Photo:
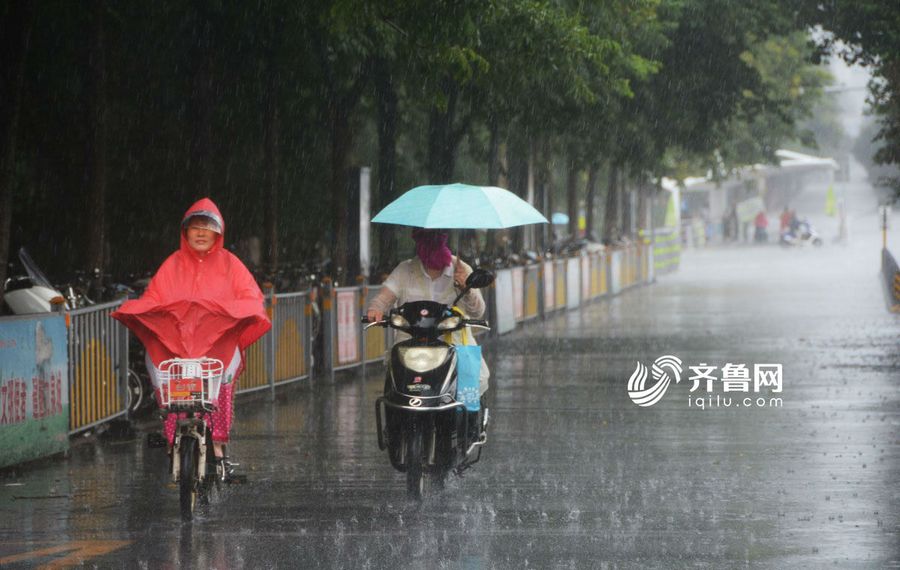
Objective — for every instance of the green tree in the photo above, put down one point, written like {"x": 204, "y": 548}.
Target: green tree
{"x": 870, "y": 30}
{"x": 15, "y": 23}
{"x": 789, "y": 87}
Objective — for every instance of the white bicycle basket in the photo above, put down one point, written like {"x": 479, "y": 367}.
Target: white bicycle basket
{"x": 190, "y": 381}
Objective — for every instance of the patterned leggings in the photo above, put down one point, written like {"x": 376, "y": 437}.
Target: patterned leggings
{"x": 219, "y": 421}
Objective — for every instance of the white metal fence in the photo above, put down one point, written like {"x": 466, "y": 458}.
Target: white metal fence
{"x": 98, "y": 345}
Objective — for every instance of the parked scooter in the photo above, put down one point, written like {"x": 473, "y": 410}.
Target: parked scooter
{"x": 804, "y": 235}
{"x": 421, "y": 422}
{"x": 31, "y": 293}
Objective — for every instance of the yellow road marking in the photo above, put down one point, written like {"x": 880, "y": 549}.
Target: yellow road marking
{"x": 77, "y": 552}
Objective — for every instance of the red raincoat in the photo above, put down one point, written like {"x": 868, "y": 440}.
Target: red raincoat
{"x": 198, "y": 304}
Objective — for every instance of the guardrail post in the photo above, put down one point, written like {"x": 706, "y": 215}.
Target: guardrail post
{"x": 271, "y": 301}
{"x": 328, "y": 326}
{"x": 891, "y": 275}
{"x": 363, "y": 295}
{"x": 490, "y": 300}
{"x": 123, "y": 361}
{"x": 314, "y": 359}
{"x": 540, "y": 288}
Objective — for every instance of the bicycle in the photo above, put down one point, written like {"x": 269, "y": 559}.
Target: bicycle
{"x": 190, "y": 386}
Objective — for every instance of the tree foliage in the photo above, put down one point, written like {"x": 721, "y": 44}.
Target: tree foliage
{"x": 266, "y": 106}
{"x": 870, "y": 30}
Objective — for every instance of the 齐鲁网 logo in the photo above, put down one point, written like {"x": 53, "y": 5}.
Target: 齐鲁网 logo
{"x": 723, "y": 385}
{"x": 663, "y": 369}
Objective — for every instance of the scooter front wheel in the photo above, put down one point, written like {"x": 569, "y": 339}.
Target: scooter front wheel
{"x": 415, "y": 480}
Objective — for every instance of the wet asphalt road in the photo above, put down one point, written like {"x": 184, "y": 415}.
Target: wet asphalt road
{"x": 575, "y": 475}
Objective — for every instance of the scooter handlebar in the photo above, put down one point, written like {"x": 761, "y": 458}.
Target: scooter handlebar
{"x": 369, "y": 323}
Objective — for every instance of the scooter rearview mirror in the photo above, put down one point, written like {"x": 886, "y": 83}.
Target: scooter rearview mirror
{"x": 479, "y": 279}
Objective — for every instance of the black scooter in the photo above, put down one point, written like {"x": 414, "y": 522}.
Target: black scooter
{"x": 425, "y": 429}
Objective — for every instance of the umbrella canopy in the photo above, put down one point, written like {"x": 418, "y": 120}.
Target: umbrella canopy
{"x": 463, "y": 206}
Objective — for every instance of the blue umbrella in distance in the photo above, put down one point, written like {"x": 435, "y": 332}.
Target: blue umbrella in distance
{"x": 559, "y": 219}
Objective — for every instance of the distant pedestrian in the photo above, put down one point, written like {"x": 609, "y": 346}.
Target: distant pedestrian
{"x": 785, "y": 220}
{"x": 732, "y": 227}
{"x": 760, "y": 224}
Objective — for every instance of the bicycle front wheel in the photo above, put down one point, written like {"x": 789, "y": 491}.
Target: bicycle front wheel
{"x": 188, "y": 477}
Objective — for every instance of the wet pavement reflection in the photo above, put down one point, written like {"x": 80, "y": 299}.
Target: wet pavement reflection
{"x": 575, "y": 475}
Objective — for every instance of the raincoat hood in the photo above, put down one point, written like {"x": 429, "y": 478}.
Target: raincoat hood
{"x": 198, "y": 304}
{"x": 203, "y": 207}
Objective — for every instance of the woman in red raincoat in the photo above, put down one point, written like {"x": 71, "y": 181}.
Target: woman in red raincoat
{"x": 202, "y": 302}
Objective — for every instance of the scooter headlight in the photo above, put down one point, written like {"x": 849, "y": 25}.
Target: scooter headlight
{"x": 399, "y": 321}
{"x": 449, "y": 323}
{"x": 423, "y": 359}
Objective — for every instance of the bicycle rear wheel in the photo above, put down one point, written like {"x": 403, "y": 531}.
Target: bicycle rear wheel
{"x": 188, "y": 483}
{"x": 135, "y": 392}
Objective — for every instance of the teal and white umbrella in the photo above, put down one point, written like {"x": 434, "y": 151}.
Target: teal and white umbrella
{"x": 459, "y": 206}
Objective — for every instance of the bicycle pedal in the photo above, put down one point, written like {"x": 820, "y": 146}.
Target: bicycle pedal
{"x": 156, "y": 440}
{"x": 236, "y": 480}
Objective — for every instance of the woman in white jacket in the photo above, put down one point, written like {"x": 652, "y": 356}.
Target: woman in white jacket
{"x": 434, "y": 274}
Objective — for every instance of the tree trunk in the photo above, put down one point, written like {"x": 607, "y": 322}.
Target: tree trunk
{"x": 549, "y": 198}
{"x": 495, "y": 171}
{"x": 542, "y": 177}
{"x": 341, "y": 144}
{"x": 340, "y": 103}
{"x": 641, "y": 209}
{"x": 611, "y": 228}
{"x": 494, "y": 165}
{"x": 16, "y": 32}
{"x": 528, "y": 231}
{"x": 203, "y": 104}
{"x": 273, "y": 167}
{"x": 518, "y": 180}
{"x": 627, "y": 207}
{"x": 386, "y": 108}
{"x": 96, "y": 199}
{"x": 591, "y": 192}
{"x": 442, "y": 140}
{"x": 572, "y": 198}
